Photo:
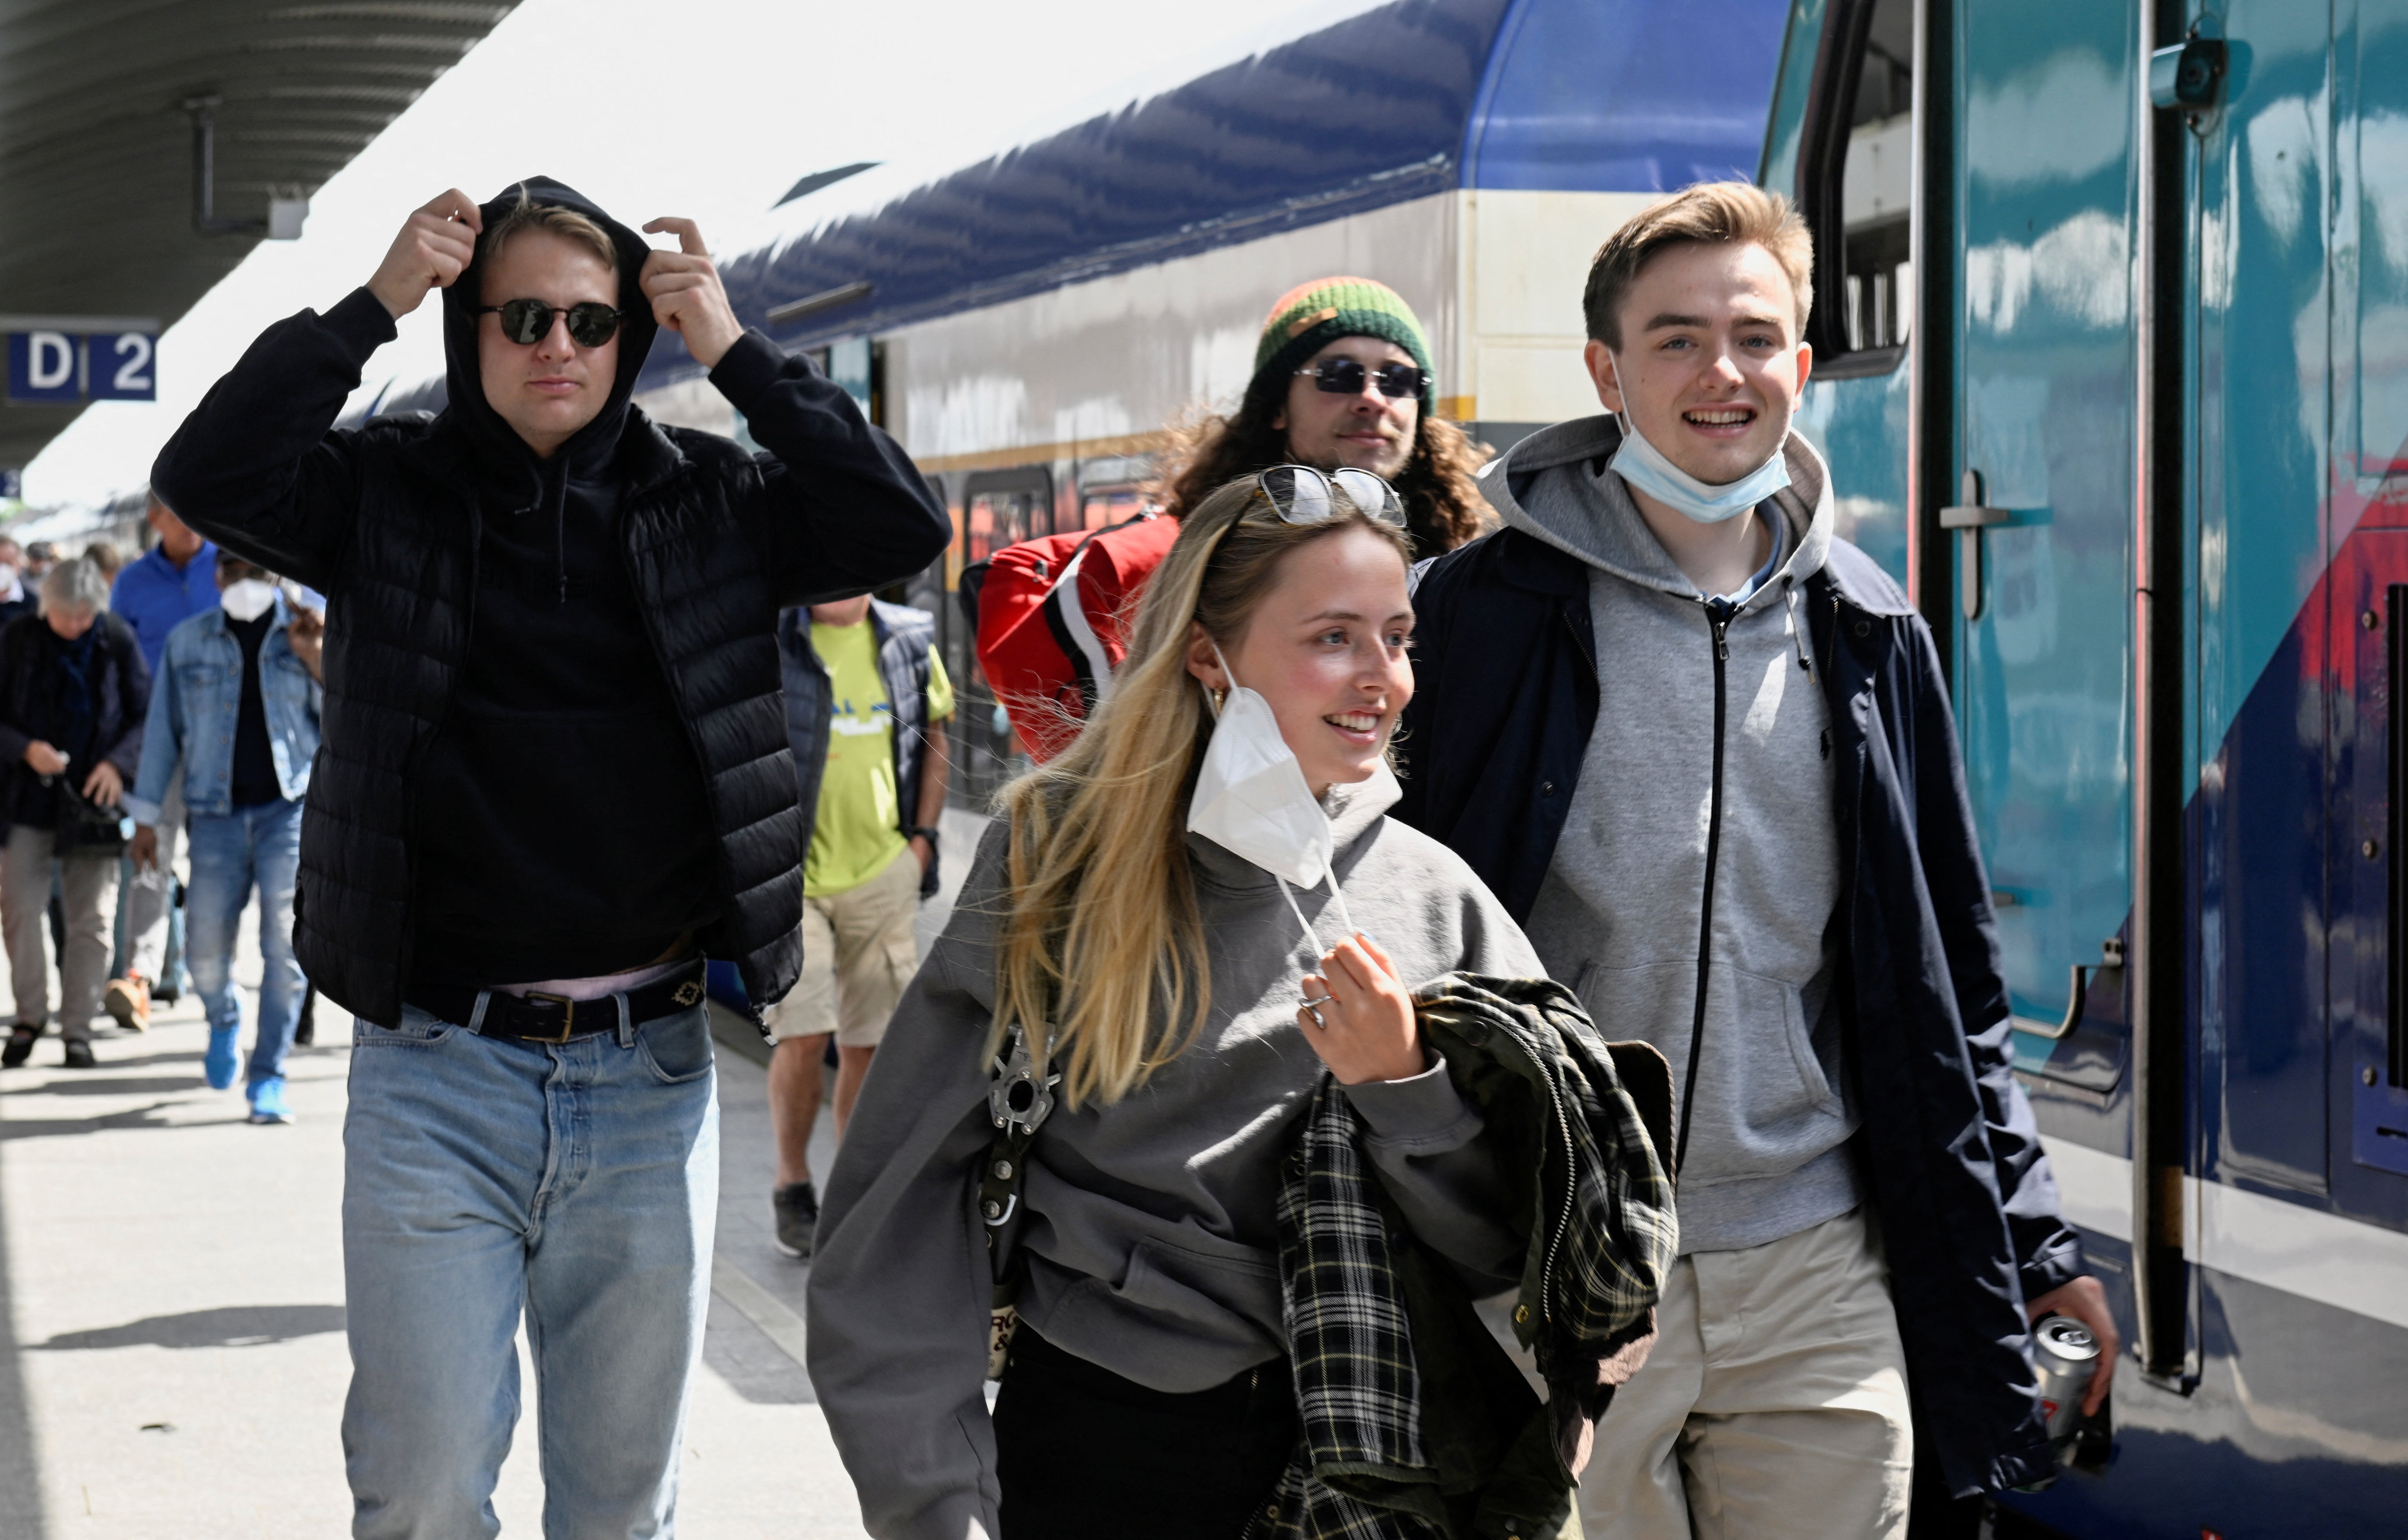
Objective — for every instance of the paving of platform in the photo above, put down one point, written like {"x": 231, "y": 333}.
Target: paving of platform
{"x": 172, "y": 1361}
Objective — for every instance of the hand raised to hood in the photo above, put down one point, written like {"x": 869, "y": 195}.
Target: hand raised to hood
{"x": 436, "y": 245}
{"x": 686, "y": 295}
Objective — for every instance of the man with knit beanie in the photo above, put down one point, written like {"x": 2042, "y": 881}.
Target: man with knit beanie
{"x": 1342, "y": 378}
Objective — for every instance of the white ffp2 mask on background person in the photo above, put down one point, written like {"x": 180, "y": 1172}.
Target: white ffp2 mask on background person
{"x": 248, "y": 600}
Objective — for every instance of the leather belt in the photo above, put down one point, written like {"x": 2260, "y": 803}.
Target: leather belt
{"x": 536, "y": 1018}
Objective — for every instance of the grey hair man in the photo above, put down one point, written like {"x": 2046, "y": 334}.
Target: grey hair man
{"x": 74, "y": 692}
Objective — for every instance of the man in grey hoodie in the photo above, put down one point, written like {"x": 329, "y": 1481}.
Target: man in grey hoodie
{"x": 1684, "y": 865}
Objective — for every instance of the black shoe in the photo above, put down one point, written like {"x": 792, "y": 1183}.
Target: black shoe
{"x": 798, "y": 1215}
{"x": 20, "y": 1046}
{"x": 79, "y": 1056}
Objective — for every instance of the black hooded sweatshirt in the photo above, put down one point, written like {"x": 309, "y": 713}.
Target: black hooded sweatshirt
{"x": 555, "y": 739}
{"x": 561, "y": 827}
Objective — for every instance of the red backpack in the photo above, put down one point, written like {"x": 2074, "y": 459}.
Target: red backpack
{"x": 1050, "y": 615}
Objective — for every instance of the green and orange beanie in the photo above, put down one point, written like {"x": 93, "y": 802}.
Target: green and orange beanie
{"x": 1310, "y": 316}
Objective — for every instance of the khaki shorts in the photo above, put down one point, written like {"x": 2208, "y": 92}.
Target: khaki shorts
{"x": 859, "y": 951}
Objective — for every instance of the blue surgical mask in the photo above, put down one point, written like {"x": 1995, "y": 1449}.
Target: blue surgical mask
{"x": 1644, "y": 466}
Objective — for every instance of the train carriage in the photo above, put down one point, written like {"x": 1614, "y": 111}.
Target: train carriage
{"x": 2121, "y": 387}
{"x": 1028, "y": 325}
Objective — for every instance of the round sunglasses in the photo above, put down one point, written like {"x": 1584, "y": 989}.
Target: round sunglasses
{"x": 1345, "y": 376}
{"x": 1301, "y": 494}
{"x": 590, "y": 323}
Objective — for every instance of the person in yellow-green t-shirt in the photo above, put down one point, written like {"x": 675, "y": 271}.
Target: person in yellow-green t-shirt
{"x": 867, "y": 699}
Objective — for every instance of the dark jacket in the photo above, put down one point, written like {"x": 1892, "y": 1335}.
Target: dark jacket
{"x": 1493, "y": 740}
{"x": 121, "y": 701}
{"x": 905, "y": 635}
{"x": 1411, "y": 1410}
{"x": 393, "y": 523}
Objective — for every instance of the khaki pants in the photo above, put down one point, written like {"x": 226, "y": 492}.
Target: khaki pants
{"x": 1774, "y": 1402}
{"x": 859, "y": 952}
{"x": 88, "y": 890}
{"x": 153, "y": 891}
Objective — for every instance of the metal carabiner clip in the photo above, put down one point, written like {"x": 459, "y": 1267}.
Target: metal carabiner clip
{"x": 1021, "y": 1098}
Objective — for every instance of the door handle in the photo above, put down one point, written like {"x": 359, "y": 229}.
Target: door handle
{"x": 1968, "y": 519}
{"x": 2110, "y": 961}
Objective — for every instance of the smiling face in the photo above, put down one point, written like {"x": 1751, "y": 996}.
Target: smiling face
{"x": 546, "y": 389}
{"x": 1325, "y": 647}
{"x": 1711, "y": 366}
{"x": 1365, "y": 430}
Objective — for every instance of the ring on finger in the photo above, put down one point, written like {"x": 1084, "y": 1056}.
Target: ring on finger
{"x": 1312, "y": 1008}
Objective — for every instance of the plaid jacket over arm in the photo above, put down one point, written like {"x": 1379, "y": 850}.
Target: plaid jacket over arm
{"x": 1415, "y": 1424}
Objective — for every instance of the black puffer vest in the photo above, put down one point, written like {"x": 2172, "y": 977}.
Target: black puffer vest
{"x": 397, "y": 635}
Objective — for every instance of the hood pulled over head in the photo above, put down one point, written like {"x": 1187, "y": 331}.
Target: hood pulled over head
{"x": 496, "y": 442}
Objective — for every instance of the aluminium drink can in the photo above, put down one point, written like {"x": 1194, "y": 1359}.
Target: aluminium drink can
{"x": 2066, "y": 1358}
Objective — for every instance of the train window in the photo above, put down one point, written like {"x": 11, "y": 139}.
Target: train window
{"x": 998, "y": 508}
{"x": 1101, "y": 507}
{"x": 1856, "y": 186}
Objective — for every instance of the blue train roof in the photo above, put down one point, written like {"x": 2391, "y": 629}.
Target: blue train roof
{"x": 1412, "y": 98}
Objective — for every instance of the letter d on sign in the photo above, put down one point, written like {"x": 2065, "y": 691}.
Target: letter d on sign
{"x": 51, "y": 360}
{"x": 42, "y": 366}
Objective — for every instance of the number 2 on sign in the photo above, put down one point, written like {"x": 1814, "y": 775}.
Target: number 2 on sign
{"x": 133, "y": 377}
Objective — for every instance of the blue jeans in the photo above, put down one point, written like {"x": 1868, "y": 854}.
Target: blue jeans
{"x": 576, "y": 1181}
{"x": 230, "y": 853}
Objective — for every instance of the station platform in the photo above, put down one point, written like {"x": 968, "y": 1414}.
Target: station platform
{"x": 172, "y": 1358}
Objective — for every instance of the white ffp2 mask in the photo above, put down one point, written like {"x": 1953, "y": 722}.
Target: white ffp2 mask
{"x": 248, "y": 600}
{"x": 1251, "y": 800}
{"x": 1643, "y": 466}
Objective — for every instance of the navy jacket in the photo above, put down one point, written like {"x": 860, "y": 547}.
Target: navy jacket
{"x": 904, "y": 637}
{"x": 1492, "y": 743}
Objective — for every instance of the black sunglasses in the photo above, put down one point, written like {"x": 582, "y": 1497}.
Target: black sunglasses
{"x": 1344, "y": 377}
{"x": 1301, "y": 494}
{"x": 524, "y": 321}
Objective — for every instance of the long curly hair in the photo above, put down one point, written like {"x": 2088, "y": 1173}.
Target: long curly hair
{"x": 1443, "y": 507}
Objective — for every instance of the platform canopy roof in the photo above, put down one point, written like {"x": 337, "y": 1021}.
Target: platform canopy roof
{"x": 96, "y": 186}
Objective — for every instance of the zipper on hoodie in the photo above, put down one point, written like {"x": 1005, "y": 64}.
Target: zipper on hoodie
{"x": 1719, "y": 615}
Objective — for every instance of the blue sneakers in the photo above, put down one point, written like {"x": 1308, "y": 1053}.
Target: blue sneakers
{"x": 220, "y": 1061}
{"x": 268, "y": 1102}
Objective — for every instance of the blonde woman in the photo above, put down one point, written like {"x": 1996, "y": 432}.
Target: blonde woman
{"x": 1182, "y": 998}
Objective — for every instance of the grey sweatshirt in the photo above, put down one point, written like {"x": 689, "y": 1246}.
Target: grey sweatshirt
{"x": 1149, "y": 1224}
{"x": 1619, "y": 916}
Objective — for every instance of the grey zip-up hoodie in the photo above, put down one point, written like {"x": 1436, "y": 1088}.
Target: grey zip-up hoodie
{"x": 1150, "y": 1225}
{"x": 1678, "y": 841}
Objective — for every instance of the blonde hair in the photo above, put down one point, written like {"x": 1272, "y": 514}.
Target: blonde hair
{"x": 1099, "y": 944}
{"x": 1713, "y": 213}
{"x": 527, "y": 214}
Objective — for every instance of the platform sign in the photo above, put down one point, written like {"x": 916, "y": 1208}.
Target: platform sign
{"x": 46, "y": 365}
{"x": 120, "y": 366}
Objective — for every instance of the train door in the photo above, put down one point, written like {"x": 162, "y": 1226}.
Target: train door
{"x": 2045, "y": 180}
{"x": 2258, "y": 205}
{"x": 2369, "y": 615}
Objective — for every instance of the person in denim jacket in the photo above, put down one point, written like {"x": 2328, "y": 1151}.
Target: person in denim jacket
{"x": 236, "y": 707}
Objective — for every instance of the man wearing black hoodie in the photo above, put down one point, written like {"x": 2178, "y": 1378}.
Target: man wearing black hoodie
{"x": 554, "y": 777}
